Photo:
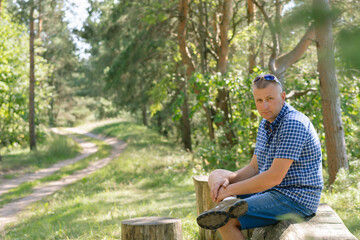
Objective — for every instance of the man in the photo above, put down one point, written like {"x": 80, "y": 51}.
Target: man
{"x": 283, "y": 178}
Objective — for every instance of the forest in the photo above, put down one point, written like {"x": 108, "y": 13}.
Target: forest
{"x": 184, "y": 69}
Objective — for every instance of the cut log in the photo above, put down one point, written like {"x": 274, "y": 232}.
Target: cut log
{"x": 325, "y": 225}
{"x": 151, "y": 228}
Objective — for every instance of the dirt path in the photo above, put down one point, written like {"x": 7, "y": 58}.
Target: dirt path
{"x": 87, "y": 149}
{"x": 9, "y": 212}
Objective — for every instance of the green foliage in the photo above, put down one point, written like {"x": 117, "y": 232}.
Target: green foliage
{"x": 347, "y": 41}
{"x": 214, "y": 156}
{"x": 14, "y": 83}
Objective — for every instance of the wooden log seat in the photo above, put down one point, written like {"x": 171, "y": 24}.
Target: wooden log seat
{"x": 151, "y": 228}
{"x": 325, "y": 225}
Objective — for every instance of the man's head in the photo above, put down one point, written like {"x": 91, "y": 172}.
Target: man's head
{"x": 269, "y": 96}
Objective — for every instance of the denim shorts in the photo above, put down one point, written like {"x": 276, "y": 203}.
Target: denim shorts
{"x": 270, "y": 207}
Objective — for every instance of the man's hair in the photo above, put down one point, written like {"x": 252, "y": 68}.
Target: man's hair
{"x": 260, "y": 82}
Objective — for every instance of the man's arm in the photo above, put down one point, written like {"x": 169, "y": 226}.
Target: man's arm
{"x": 222, "y": 178}
{"x": 259, "y": 182}
{"x": 245, "y": 172}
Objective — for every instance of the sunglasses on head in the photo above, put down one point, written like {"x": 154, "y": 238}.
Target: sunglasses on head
{"x": 268, "y": 77}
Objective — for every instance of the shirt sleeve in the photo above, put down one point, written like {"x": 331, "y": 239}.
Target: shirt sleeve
{"x": 293, "y": 135}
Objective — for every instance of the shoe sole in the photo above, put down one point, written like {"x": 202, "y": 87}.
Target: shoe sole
{"x": 238, "y": 209}
{"x": 212, "y": 220}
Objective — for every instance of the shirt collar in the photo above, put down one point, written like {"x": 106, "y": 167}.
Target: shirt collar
{"x": 278, "y": 119}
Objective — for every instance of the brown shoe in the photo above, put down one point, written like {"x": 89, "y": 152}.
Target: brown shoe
{"x": 219, "y": 215}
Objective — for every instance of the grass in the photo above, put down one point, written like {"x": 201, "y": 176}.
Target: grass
{"x": 152, "y": 177}
{"x": 54, "y": 149}
{"x": 344, "y": 197}
{"x": 27, "y": 187}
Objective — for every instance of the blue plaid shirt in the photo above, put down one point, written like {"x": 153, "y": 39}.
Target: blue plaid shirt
{"x": 293, "y": 136}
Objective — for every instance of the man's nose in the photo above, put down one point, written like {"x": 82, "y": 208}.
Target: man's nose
{"x": 265, "y": 105}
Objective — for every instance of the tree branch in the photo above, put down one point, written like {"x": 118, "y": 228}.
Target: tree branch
{"x": 274, "y": 36}
{"x": 286, "y": 60}
{"x": 297, "y": 93}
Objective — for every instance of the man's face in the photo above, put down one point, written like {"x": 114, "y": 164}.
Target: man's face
{"x": 269, "y": 101}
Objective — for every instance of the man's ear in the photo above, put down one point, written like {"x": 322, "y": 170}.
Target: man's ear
{"x": 283, "y": 95}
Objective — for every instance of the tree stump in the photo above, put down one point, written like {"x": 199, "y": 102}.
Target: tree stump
{"x": 203, "y": 203}
{"x": 151, "y": 228}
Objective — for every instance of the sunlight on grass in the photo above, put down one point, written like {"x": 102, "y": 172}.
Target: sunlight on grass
{"x": 152, "y": 177}
{"x": 344, "y": 197}
{"x": 26, "y": 188}
{"x": 57, "y": 148}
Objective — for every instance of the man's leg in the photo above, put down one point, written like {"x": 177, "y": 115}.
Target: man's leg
{"x": 263, "y": 210}
{"x": 268, "y": 208}
{"x": 231, "y": 230}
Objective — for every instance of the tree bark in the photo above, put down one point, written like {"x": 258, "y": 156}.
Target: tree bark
{"x": 224, "y": 41}
{"x": 223, "y": 100}
{"x": 185, "y": 55}
{"x": 144, "y": 114}
{"x": 204, "y": 63}
{"x": 252, "y": 65}
{"x": 186, "y": 127}
{"x": 251, "y": 20}
{"x": 284, "y": 61}
{"x": 186, "y": 58}
{"x": 32, "y": 134}
{"x": 333, "y": 126}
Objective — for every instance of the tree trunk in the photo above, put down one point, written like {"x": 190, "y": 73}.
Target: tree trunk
{"x": 251, "y": 20}
{"x": 144, "y": 115}
{"x": 52, "y": 103}
{"x": 186, "y": 58}
{"x": 185, "y": 55}
{"x": 224, "y": 41}
{"x": 186, "y": 127}
{"x": 252, "y": 65}
{"x": 223, "y": 100}
{"x": 334, "y": 130}
{"x": 32, "y": 83}
{"x": 204, "y": 64}
{"x": 202, "y": 35}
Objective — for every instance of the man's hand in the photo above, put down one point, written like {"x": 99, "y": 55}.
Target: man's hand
{"x": 216, "y": 187}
